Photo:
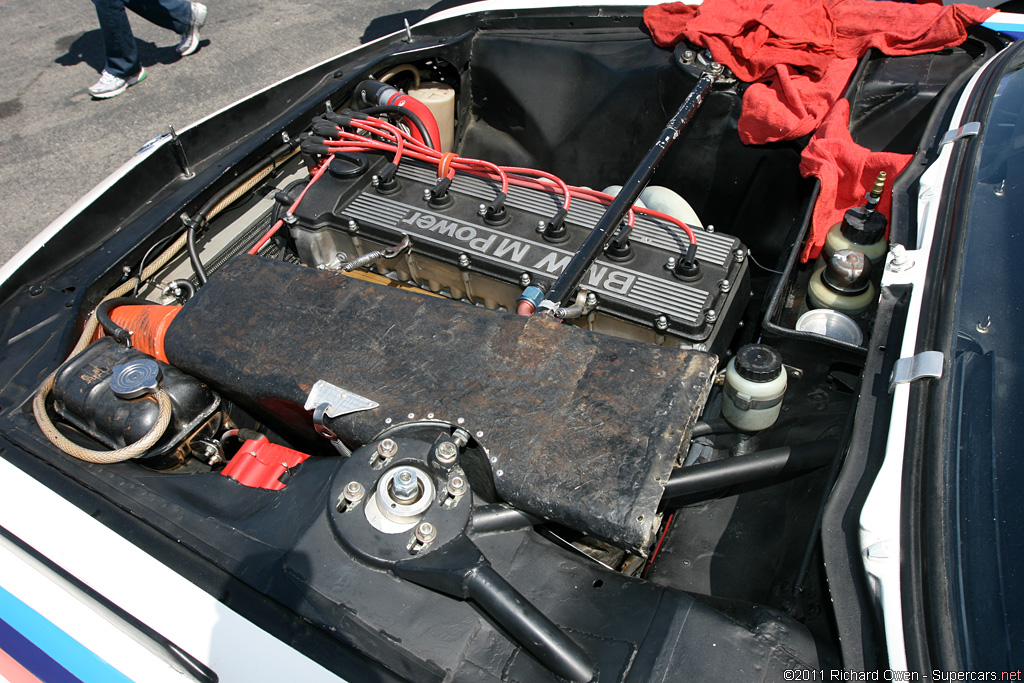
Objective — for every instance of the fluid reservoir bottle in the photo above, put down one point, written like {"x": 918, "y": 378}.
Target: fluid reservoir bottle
{"x": 843, "y": 285}
{"x": 755, "y": 383}
{"x": 862, "y": 229}
{"x": 660, "y": 198}
{"x": 439, "y": 98}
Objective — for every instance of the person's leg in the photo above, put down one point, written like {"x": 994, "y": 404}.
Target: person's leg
{"x": 118, "y": 41}
{"x": 173, "y": 15}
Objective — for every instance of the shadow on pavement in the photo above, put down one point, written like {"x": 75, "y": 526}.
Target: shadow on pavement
{"x": 87, "y": 48}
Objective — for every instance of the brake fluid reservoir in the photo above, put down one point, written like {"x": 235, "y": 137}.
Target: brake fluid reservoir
{"x": 868, "y": 240}
{"x": 660, "y": 198}
{"x": 755, "y": 383}
{"x": 843, "y": 285}
{"x": 439, "y": 98}
{"x": 862, "y": 229}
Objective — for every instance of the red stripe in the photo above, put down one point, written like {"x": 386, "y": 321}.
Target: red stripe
{"x": 14, "y": 672}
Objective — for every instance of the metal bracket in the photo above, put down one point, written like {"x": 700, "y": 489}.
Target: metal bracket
{"x": 388, "y": 253}
{"x": 327, "y": 400}
{"x": 966, "y": 130}
{"x": 924, "y": 365}
{"x": 179, "y": 153}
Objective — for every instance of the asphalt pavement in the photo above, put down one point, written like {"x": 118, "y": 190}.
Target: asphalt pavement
{"x": 57, "y": 143}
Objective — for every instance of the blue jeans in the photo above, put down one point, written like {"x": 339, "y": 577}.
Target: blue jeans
{"x": 118, "y": 40}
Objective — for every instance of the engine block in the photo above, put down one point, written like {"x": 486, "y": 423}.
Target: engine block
{"x": 459, "y": 252}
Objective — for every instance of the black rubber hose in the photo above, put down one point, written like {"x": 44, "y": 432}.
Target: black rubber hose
{"x": 271, "y": 158}
{"x": 712, "y": 426}
{"x": 142, "y": 264}
{"x": 193, "y": 255}
{"x": 405, "y": 113}
{"x": 199, "y": 219}
{"x": 744, "y": 469}
{"x": 109, "y": 326}
{"x": 190, "y": 289}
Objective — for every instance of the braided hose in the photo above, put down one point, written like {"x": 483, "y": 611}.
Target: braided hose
{"x": 170, "y": 252}
{"x": 99, "y": 457}
{"x": 164, "y": 416}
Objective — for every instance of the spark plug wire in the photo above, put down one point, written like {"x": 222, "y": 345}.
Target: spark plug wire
{"x": 376, "y": 135}
{"x": 280, "y": 221}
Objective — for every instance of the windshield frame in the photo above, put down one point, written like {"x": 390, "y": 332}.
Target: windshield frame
{"x": 935, "y": 633}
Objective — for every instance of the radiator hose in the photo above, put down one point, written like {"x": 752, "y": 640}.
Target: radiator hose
{"x": 377, "y": 93}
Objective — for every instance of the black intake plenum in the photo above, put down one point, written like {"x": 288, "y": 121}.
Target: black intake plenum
{"x": 580, "y": 428}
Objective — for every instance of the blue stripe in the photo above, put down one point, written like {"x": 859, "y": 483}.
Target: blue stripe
{"x": 1012, "y": 26}
{"x": 37, "y": 662}
{"x": 58, "y": 645}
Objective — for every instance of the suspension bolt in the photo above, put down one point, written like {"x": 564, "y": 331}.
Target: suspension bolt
{"x": 447, "y": 452}
{"x": 354, "y": 492}
{"x": 387, "y": 448}
{"x": 405, "y": 484}
{"x": 425, "y": 532}
{"x": 457, "y": 485}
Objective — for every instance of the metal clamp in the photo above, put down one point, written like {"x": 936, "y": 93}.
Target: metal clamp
{"x": 927, "y": 364}
{"x": 746, "y": 402}
{"x": 374, "y": 256}
{"x": 327, "y": 400}
{"x": 966, "y": 130}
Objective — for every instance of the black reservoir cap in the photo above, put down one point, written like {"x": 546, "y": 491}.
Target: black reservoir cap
{"x": 758, "y": 363}
{"x": 862, "y": 225}
{"x": 348, "y": 165}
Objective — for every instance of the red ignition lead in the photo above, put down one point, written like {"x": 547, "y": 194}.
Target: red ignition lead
{"x": 661, "y": 539}
{"x": 280, "y": 221}
{"x": 403, "y": 144}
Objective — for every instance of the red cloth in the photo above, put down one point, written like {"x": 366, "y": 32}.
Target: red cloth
{"x": 799, "y": 54}
{"x": 846, "y": 171}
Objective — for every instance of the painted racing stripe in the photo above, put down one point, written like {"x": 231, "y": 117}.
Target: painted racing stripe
{"x": 24, "y": 633}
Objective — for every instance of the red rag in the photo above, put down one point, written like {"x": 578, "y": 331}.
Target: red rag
{"x": 846, "y": 171}
{"x": 799, "y": 54}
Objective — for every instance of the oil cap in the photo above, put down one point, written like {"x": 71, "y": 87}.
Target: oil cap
{"x": 758, "y": 363}
{"x": 348, "y": 165}
{"x": 135, "y": 379}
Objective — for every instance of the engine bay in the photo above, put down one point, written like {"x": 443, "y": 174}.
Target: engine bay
{"x": 500, "y": 362}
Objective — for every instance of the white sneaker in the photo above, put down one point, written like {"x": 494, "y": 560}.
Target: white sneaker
{"x": 190, "y": 38}
{"x": 110, "y": 85}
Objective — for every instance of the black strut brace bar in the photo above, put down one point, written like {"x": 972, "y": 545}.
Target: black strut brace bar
{"x": 605, "y": 229}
